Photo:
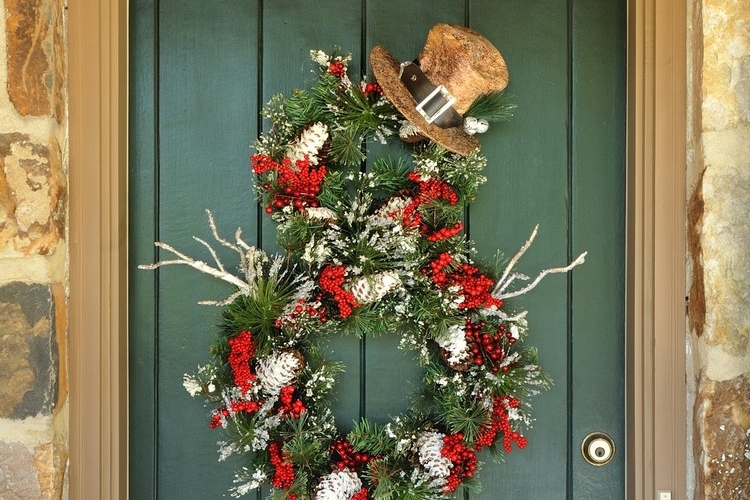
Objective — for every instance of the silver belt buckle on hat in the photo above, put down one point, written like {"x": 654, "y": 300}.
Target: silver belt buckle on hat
{"x": 439, "y": 96}
{"x": 434, "y": 102}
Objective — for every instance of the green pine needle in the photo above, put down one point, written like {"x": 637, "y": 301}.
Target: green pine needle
{"x": 371, "y": 437}
{"x": 346, "y": 147}
{"x": 494, "y": 107}
{"x": 389, "y": 177}
{"x": 460, "y": 415}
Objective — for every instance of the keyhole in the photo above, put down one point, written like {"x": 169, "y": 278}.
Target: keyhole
{"x": 598, "y": 449}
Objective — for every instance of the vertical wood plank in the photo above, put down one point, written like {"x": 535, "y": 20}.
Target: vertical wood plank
{"x": 393, "y": 377}
{"x": 207, "y": 110}
{"x": 143, "y": 200}
{"x": 599, "y": 103}
{"x": 291, "y": 28}
{"x": 527, "y": 184}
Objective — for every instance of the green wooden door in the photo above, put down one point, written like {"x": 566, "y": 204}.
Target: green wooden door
{"x": 200, "y": 71}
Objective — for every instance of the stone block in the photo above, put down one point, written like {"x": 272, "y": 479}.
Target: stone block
{"x": 36, "y": 61}
{"x": 33, "y": 191}
{"x": 19, "y": 478}
{"x": 50, "y": 462}
{"x": 29, "y": 355}
{"x": 726, "y": 63}
{"x": 722, "y": 419}
{"x": 725, "y": 238}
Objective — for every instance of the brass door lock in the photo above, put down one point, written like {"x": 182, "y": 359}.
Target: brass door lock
{"x": 598, "y": 449}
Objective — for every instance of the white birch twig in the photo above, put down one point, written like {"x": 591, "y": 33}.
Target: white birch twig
{"x": 196, "y": 264}
{"x": 499, "y": 292}
{"x": 504, "y": 281}
{"x": 242, "y": 249}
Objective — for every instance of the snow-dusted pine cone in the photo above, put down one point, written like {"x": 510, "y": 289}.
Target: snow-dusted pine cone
{"x": 429, "y": 448}
{"x": 369, "y": 289}
{"x": 309, "y": 143}
{"x": 454, "y": 348}
{"x": 338, "y": 485}
{"x": 320, "y": 213}
{"x": 279, "y": 369}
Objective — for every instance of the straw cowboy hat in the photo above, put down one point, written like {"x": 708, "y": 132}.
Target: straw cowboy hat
{"x": 456, "y": 66}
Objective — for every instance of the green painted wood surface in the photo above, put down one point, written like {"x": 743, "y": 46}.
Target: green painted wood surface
{"x": 199, "y": 77}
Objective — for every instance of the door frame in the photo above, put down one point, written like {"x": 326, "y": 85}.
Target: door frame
{"x": 656, "y": 409}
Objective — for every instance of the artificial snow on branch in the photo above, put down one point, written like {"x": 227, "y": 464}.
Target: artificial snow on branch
{"x": 508, "y": 277}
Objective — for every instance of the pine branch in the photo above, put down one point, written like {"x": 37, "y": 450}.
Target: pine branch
{"x": 493, "y": 107}
{"x": 370, "y": 437}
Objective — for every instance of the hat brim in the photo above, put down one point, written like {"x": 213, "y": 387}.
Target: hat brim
{"x": 386, "y": 70}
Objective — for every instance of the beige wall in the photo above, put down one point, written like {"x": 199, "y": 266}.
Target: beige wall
{"x": 34, "y": 251}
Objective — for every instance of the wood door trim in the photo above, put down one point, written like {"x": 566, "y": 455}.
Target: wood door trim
{"x": 655, "y": 364}
{"x": 97, "y": 93}
{"x": 655, "y": 360}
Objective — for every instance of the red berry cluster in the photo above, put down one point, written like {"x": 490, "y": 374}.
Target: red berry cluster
{"x": 373, "y": 89}
{"x": 304, "y": 309}
{"x": 487, "y": 347}
{"x": 290, "y": 406}
{"x": 218, "y": 417}
{"x": 331, "y": 281}
{"x": 237, "y": 407}
{"x": 427, "y": 191}
{"x": 445, "y": 232}
{"x": 436, "y": 269}
{"x": 360, "y": 495}
{"x": 242, "y": 350}
{"x": 297, "y": 186}
{"x": 432, "y": 189}
{"x": 499, "y": 423}
{"x": 475, "y": 287}
{"x": 464, "y": 461}
{"x": 283, "y": 477}
{"x": 337, "y": 69}
{"x": 345, "y": 457}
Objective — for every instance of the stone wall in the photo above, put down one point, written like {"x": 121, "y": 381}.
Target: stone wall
{"x": 33, "y": 251}
{"x": 719, "y": 246}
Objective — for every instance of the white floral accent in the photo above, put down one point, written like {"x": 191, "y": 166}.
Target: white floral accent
{"x": 339, "y": 485}
{"x": 408, "y": 130}
{"x": 191, "y": 385}
{"x": 277, "y": 370}
{"x": 319, "y": 57}
{"x": 316, "y": 251}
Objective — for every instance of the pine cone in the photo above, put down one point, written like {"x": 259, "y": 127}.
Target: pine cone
{"x": 279, "y": 369}
{"x": 309, "y": 143}
{"x": 338, "y": 485}
{"x": 457, "y": 366}
{"x": 369, "y": 289}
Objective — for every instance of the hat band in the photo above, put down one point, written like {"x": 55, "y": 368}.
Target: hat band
{"x": 434, "y": 103}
